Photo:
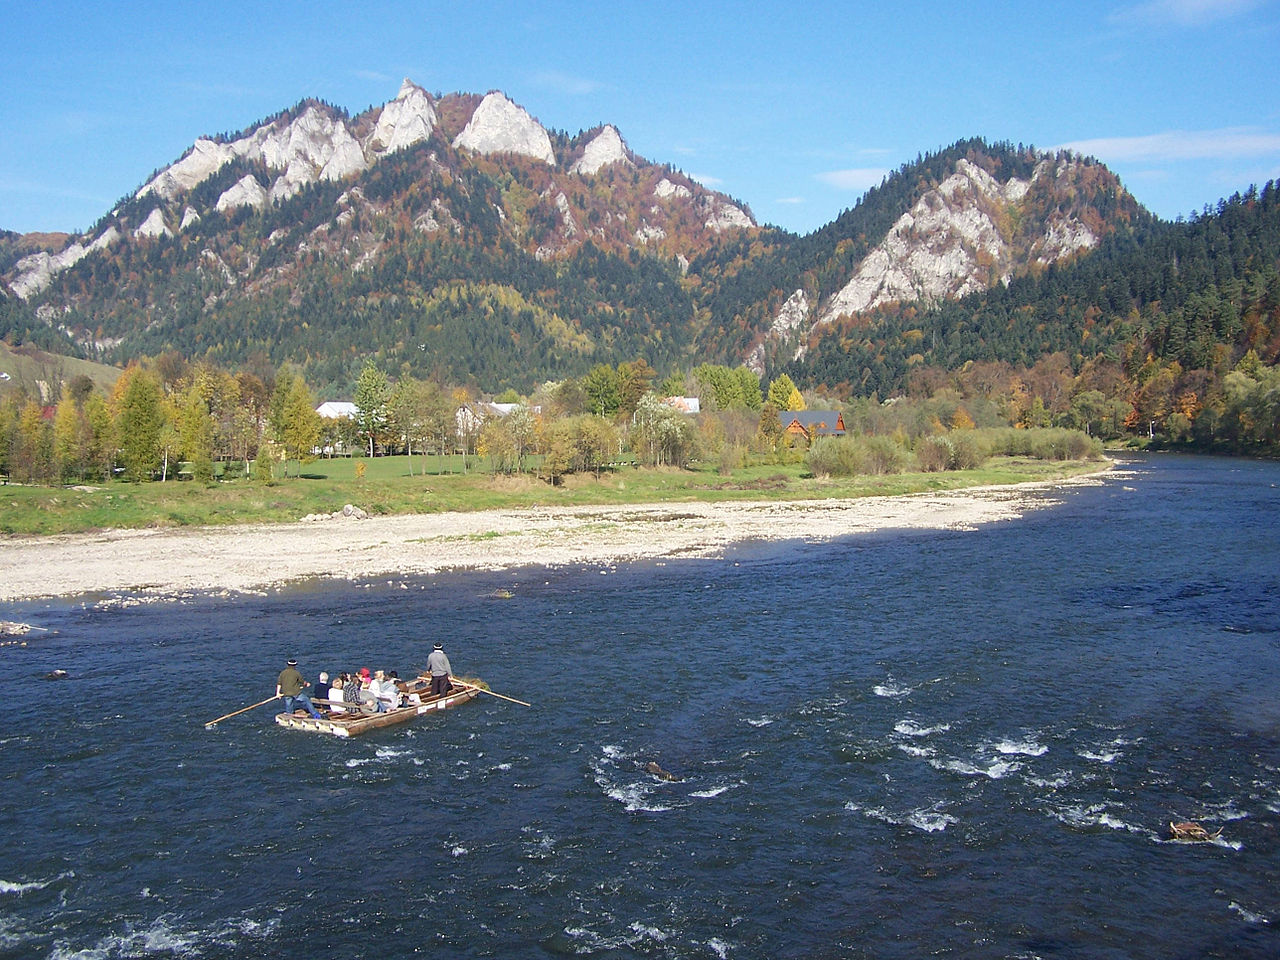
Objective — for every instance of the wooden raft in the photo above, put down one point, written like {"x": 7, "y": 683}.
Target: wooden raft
{"x": 356, "y": 722}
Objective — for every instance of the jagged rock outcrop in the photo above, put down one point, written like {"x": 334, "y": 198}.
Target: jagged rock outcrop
{"x": 154, "y": 226}
{"x": 500, "y": 126}
{"x": 316, "y": 143}
{"x": 246, "y": 192}
{"x": 606, "y": 148}
{"x": 956, "y": 240}
{"x": 792, "y": 316}
{"x": 408, "y": 119}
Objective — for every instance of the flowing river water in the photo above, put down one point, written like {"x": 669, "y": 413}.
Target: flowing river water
{"x": 943, "y": 743}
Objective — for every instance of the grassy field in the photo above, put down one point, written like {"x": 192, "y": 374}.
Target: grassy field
{"x": 387, "y": 488}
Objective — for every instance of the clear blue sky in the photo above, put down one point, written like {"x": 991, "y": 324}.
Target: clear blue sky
{"x": 793, "y": 108}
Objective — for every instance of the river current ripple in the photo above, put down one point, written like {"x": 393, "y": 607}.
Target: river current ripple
{"x": 908, "y": 744}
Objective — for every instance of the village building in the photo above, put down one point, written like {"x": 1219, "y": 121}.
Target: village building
{"x": 810, "y": 424}
{"x": 334, "y": 409}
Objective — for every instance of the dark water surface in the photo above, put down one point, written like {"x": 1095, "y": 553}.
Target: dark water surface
{"x": 912, "y": 744}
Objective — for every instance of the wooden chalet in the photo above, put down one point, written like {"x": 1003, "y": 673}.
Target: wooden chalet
{"x": 810, "y": 424}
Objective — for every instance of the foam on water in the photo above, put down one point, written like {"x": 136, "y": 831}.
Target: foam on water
{"x": 628, "y": 786}
{"x": 1026, "y": 748}
{"x": 1249, "y": 916}
{"x": 1094, "y": 815}
{"x": 716, "y": 791}
{"x": 892, "y": 689}
{"x": 996, "y": 769}
{"x": 911, "y": 750}
{"x": 930, "y": 819}
{"x": 25, "y": 886}
{"x": 909, "y": 728}
{"x": 167, "y": 936}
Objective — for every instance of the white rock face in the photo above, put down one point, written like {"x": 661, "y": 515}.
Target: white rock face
{"x": 189, "y": 217}
{"x": 947, "y": 244}
{"x": 314, "y": 141}
{"x": 109, "y": 236}
{"x": 499, "y": 126}
{"x": 605, "y": 148}
{"x": 1064, "y": 237}
{"x": 36, "y": 270}
{"x": 205, "y": 159}
{"x": 792, "y": 316}
{"x": 245, "y": 192}
{"x": 666, "y": 189}
{"x": 933, "y": 250}
{"x": 153, "y": 226}
{"x": 646, "y": 232}
{"x": 404, "y": 121}
{"x": 570, "y": 226}
{"x": 722, "y": 215}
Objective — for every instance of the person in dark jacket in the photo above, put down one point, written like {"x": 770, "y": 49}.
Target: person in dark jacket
{"x": 290, "y": 685}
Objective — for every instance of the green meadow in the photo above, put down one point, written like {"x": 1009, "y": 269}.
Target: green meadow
{"x": 384, "y": 486}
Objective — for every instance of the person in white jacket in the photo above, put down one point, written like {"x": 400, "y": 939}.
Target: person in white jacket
{"x": 386, "y": 691}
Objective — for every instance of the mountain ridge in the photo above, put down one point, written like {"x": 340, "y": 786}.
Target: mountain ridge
{"x": 315, "y": 237}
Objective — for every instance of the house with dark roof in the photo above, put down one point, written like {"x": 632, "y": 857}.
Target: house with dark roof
{"x": 811, "y": 424}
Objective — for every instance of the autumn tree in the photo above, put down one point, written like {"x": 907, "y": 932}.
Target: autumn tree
{"x": 140, "y": 420}
{"x": 373, "y": 393}
{"x": 300, "y": 428}
{"x": 603, "y": 390}
{"x": 784, "y": 395}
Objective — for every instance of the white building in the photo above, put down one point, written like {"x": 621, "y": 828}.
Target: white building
{"x": 336, "y": 409}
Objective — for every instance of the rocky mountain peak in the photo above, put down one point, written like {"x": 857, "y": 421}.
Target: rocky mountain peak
{"x": 408, "y": 119}
{"x": 605, "y": 148}
{"x": 501, "y": 126}
{"x": 957, "y": 239}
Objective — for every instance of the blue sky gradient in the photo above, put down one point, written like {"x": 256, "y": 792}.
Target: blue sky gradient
{"x": 794, "y": 109}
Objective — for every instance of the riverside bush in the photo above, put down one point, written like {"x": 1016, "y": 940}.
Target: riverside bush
{"x": 1046, "y": 443}
{"x": 855, "y": 456}
{"x": 933, "y": 454}
{"x": 958, "y": 450}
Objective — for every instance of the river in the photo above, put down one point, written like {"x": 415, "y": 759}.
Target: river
{"x": 953, "y": 744}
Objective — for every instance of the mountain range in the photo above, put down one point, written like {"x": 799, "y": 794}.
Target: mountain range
{"x": 456, "y": 236}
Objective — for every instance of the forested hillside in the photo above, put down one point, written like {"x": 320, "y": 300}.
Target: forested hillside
{"x": 453, "y": 238}
{"x": 1155, "y": 319}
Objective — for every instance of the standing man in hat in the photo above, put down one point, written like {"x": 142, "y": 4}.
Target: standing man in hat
{"x": 441, "y": 672}
{"x": 289, "y": 685}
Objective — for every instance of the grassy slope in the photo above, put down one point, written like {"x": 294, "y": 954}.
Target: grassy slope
{"x": 27, "y": 366}
{"x": 387, "y": 488}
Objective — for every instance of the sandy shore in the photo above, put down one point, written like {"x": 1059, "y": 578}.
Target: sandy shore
{"x": 254, "y": 558}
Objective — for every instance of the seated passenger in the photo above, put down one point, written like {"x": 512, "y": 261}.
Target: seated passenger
{"x": 336, "y": 696}
{"x": 350, "y": 692}
{"x": 386, "y": 692}
{"x": 368, "y": 697}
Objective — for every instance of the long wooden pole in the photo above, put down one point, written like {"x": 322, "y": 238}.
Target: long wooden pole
{"x": 243, "y": 710}
{"x": 463, "y": 683}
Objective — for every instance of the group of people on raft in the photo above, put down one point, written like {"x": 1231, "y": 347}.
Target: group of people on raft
{"x": 363, "y": 691}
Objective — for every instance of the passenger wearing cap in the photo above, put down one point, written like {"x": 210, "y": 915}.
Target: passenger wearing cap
{"x": 289, "y": 685}
{"x": 441, "y": 672}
